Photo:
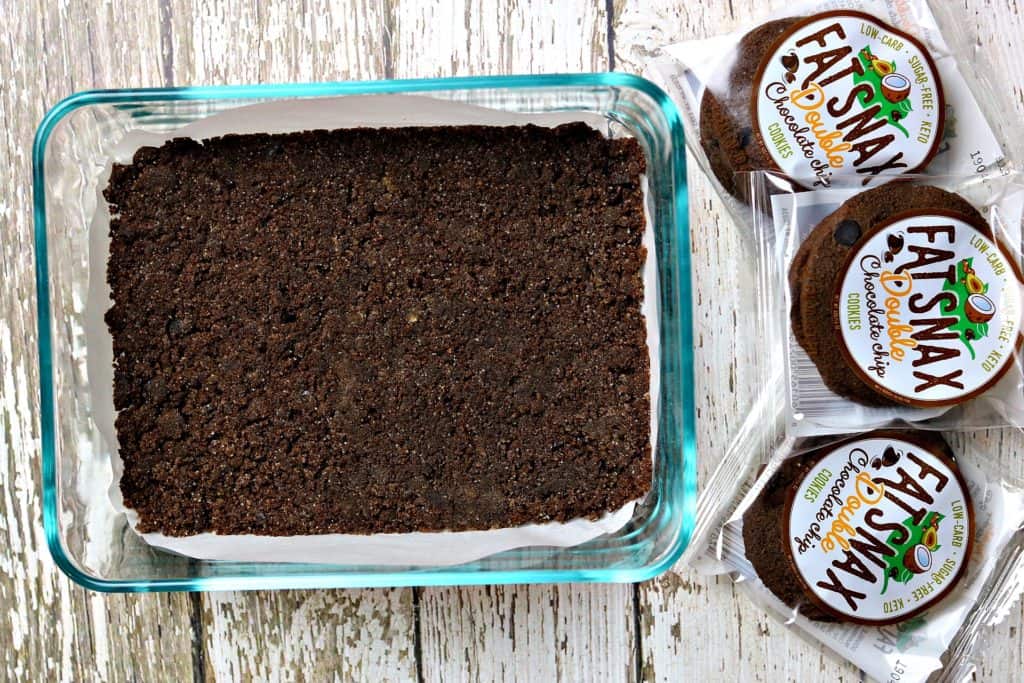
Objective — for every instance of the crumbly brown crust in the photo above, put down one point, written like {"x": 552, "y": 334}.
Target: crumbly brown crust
{"x": 379, "y": 330}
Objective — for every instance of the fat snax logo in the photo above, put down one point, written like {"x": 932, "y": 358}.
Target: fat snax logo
{"x": 846, "y": 111}
{"x": 885, "y": 98}
{"x": 964, "y": 309}
{"x": 877, "y": 525}
{"x": 921, "y": 300}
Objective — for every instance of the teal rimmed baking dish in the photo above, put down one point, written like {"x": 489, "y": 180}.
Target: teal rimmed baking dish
{"x": 92, "y": 541}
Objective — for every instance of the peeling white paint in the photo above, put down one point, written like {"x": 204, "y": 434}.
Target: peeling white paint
{"x": 691, "y": 628}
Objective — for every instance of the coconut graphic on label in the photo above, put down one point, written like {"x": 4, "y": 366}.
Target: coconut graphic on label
{"x": 928, "y": 308}
{"x": 895, "y": 88}
{"x": 918, "y": 559}
{"x": 917, "y": 553}
{"x": 844, "y": 95}
{"x": 979, "y": 308}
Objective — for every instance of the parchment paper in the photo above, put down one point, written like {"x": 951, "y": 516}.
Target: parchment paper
{"x": 434, "y": 549}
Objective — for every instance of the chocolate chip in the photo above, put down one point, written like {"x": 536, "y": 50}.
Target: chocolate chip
{"x": 847, "y": 232}
{"x": 746, "y": 135}
{"x": 180, "y": 325}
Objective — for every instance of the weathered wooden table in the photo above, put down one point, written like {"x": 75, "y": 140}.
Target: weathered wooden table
{"x": 677, "y": 627}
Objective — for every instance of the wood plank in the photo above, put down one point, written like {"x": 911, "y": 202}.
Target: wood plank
{"x": 539, "y": 633}
{"x": 248, "y": 41}
{"x": 56, "y": 630}
{"x": 468, "y": 37}
{"x": 312, "y": 635}
{"x": 316, "y": 635}
{"x": 736, "y": 640}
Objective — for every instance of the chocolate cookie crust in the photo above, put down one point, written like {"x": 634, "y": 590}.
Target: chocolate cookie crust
{"x": 814, "y": 273}
{"x": 727, "y": 130}
{"x": 391, "y": 330}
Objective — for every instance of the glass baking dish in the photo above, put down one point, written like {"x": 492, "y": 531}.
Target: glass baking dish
{"x": 94, "y": 544}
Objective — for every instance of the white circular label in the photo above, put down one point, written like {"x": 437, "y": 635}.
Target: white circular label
{"x": 879, "y": 529}
{"x": 845, "y": 95}
{"x": 929, "y": 310}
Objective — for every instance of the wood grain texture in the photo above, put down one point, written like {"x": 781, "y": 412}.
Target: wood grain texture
{"x": 357, "y": 635}
{"x": 249, "y": 41}
{"x": 469, "y": 37}
{"x": 737, "y": 642}
{"x": 520, "y": 633}
{"x": 55, "y": 630}
{"x": 686, "y": 627}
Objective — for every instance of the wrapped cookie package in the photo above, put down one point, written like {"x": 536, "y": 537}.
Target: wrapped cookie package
{"x": 835, "y": 92}
{"x": 862, "y": 148}
{"x": 896, "y": 549}
{"x": 903, "y": 302}
{"x": 870, "y": 515}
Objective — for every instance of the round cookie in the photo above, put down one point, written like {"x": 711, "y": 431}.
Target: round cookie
{"x": 726, "y": 128}
{"x": 800, "y": 274}
{"x": 834, "y": 95}
{"x": 807, "y": 282}
{"x": 828, "y": 247}
{"x": 764, "y": 537}
{"x": 795, "y": 278}
{"x": 824, "y": 259}
{"x": 867, "y": 570}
